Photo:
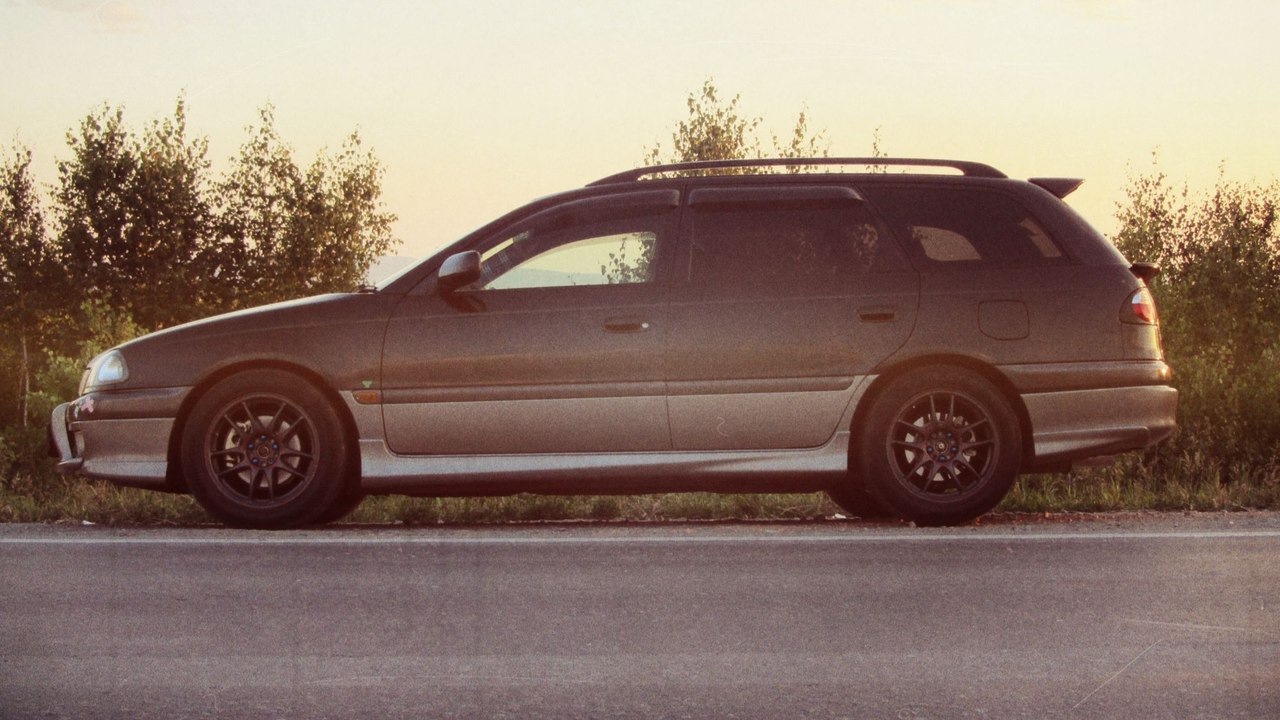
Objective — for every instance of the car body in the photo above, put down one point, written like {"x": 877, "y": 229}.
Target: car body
{"x": 909, "y": 342}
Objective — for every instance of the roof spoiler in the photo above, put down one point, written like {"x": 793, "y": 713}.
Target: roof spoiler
{"x": 1146, "y": 271}
{"x": 1060, "y": 187}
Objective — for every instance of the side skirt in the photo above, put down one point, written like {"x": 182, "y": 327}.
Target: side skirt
{"x": 807, "y": 470}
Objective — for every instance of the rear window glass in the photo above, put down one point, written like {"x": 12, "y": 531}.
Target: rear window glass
{"x": 952, "y": 226}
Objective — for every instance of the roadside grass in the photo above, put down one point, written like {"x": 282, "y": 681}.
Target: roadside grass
{"x": 1193, "y": 484}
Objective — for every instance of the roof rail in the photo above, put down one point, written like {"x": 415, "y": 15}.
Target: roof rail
{"x": 972, "y": 169}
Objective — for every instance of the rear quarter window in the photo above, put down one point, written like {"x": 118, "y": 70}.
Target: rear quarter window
{"x": 957, "y": 227}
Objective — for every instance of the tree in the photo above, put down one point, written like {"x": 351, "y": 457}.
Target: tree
{"x": 28, "y": 269}
{"x": 290, "y": 232}
{"x": 134, "y": 218}
{"x": 717, "y": 130}
{"x": 1219, "y": 300}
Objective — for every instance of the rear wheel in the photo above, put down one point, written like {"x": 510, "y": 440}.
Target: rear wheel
{"x": 264, "y": 449}
{"x": 940, "y": 446}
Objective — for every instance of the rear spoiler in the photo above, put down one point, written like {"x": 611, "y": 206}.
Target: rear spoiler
{"x": 1145, "y": 271}
{"x": 1060, "y": 187}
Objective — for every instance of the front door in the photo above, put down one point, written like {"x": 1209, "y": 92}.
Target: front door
{"x": 556, "y": 349}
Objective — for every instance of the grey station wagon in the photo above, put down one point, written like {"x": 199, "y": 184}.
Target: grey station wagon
{"x": 908, "y": 341}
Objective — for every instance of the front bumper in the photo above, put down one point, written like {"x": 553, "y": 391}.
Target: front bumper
{"x": 106, "y": 439}
{"x": 60, "y": 438}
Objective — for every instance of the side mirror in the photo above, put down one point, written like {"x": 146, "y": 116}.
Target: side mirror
{"x": 458, "y": 270}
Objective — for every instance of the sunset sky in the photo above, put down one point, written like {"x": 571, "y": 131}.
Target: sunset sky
{"x": 475, "y": 107}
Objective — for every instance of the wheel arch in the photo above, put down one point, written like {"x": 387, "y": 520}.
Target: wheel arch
{"x": 174, "y": 475}
{"x": 889, "y": 373}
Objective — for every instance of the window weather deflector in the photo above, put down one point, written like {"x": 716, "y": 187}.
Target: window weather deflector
{"x": 1060, "y": 187}
{"x": 971, "y": 169}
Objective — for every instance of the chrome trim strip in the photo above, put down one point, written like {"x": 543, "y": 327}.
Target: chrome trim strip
{"x": 502, "y": 393}
{"x": 760, "y": 385}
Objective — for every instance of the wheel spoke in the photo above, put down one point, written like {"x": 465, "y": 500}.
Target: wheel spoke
{"x": 255, "y": 425}
{"x": 963, "y": 463}
{"x": 291, "y": 471}
{"x": 975, "y": 445}
{"x": 920, "y": 462}
{"x": 253, "y": 481}
{"x": 241, "y": 467}
{"x": 911, "y": 427}
{"x": 230, "y": 421}
{"x": 932, "y": 470}
{"x": 933, "y": 409}
{"x": 292, "y": 430}
{"x": 954, "y": 477}
{"x": 277, "y": 418}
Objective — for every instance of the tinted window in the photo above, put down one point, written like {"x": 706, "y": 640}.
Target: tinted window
{"x": 950, "y": 226}
{"x": 758, "y": 249}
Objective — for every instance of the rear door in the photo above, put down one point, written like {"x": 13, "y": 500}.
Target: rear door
{"x": 783, "y": 298}
{"x": 557, "y": 348}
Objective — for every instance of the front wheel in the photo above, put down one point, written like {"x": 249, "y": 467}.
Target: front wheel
{"x": 940, "y": 446}
{"x": 264, "y": 449}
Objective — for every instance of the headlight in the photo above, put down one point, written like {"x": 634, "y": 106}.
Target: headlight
{"x": 106, "y": 369}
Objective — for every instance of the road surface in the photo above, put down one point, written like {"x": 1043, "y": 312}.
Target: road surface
{"x": 1158, "y": 617}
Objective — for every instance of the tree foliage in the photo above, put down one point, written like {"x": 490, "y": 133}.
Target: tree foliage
{"x": 134, "y": 217}
{"x": 288, "y": 232}
{"x": 1219, "y": 301}
{"x": 29, "y": 274}
{"x": 717, "y": 129}
{"x": 142, "y": 236}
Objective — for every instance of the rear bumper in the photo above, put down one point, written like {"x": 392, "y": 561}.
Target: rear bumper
{"x": 1075, "y": 425}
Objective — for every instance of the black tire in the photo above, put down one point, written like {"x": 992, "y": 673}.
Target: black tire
{"x": 346, "y": 504}
{"x": 940, "y": 446}
{"x": 265, "y": 449}
{"x": 854, "y": 499}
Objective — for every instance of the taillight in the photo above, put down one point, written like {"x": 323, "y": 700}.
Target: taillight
{"x": 1140, "y": 308}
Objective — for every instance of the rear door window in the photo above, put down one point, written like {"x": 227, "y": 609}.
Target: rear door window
{"x": 742, "y": 247}
{"x": 948, "y": 226}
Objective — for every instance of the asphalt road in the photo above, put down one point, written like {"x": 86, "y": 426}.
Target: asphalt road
{"x": 1151, "y": 618}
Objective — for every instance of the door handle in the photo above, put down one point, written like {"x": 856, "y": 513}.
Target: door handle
{"x": 626, "y": 325}
{"x": 877, "y": 313}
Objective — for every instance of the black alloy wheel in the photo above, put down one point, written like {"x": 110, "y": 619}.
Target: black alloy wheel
{"x": 264, "y": 449}
{"x": 942, "y": 446}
